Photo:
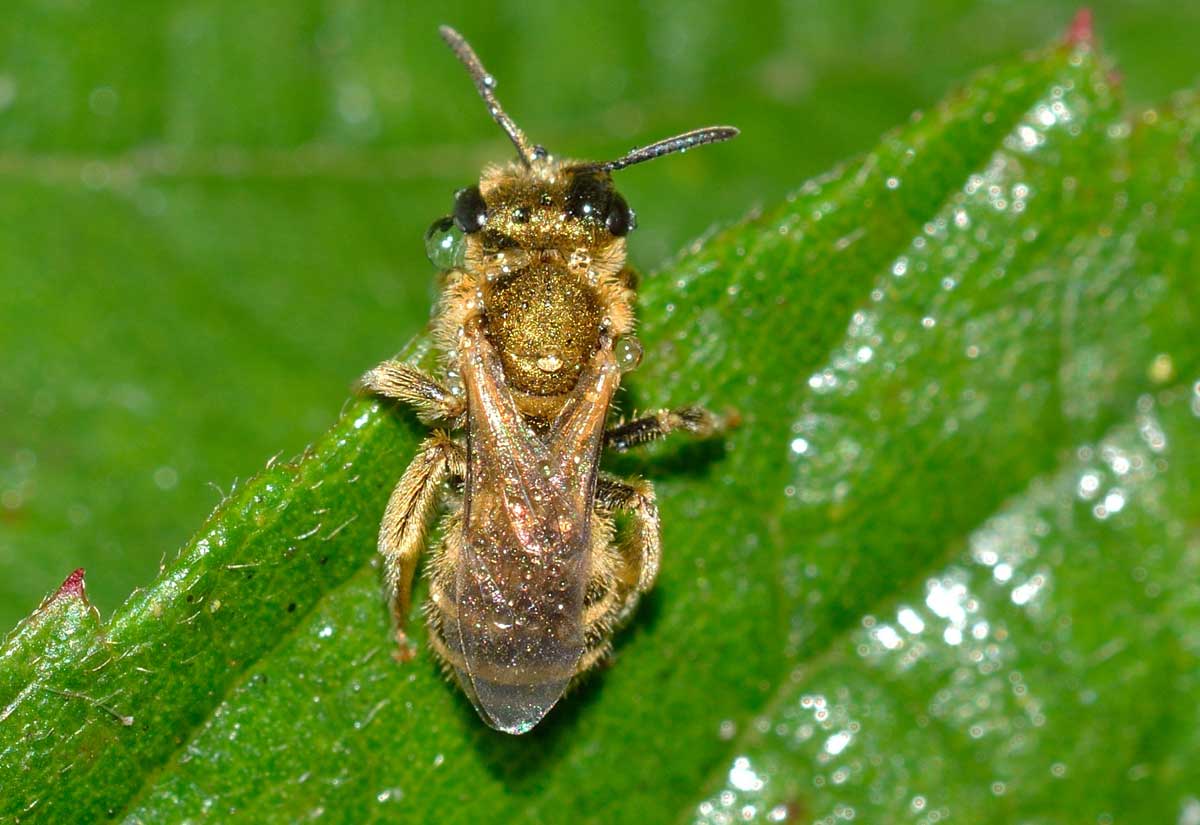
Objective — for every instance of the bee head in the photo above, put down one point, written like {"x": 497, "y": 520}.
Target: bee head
{"x": 565, "y": 207}
{"x": 521, "y": 206}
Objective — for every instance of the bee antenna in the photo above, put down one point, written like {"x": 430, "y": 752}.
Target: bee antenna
{"x": 679, "y": 143}
{"x": 486, "y": 85}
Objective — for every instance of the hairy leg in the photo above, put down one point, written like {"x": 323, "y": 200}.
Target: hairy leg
{"x": 617, "y": 568}
{"x": 402, "y": 532}
{"x": 593, "y": 656}
{"x": 404, "y": 382}
{"x": 660, "y": 424}
{"x": 642, "y": 548}
{"x": 440, "y": 608}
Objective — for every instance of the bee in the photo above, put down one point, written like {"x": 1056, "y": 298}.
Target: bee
{"x": 534, "y": 325}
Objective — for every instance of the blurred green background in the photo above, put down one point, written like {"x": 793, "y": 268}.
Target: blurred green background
{"x": 211, "y": 211}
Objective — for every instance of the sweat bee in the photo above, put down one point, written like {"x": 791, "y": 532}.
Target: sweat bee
{"x": 534, "y": 327}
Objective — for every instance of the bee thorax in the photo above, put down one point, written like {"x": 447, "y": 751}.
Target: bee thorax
{"x": 544, "y": 323}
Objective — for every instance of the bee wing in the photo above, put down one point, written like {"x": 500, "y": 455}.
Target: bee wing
{"x": 525, "y": 556}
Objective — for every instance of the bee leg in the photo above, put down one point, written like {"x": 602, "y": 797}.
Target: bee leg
{"x": 404, "y": 382}
{"x": 402, "y": 532}
{"x": 440, "y": 609}
{"x": 607, "y": 591}
{"x": 642, "y": 548}
{"x": 594, "y": 656}
{"x": 660, "y": 424}
{"x": 621, "y": 570}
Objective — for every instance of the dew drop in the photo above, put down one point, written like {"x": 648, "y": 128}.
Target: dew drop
{"x": 629, "y": 353}
{"x": 445, "y": 244}
{"x": 549, "y": 363}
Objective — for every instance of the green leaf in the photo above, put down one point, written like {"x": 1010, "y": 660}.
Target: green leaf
{"x": 1047, "y": 672}
{"x": 201, "y": 239}
{"x": 917, "y": 342}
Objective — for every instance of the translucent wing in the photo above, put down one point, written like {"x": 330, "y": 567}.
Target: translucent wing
{"x": 522, "y": 574}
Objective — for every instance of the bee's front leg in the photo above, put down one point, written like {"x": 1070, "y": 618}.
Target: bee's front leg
{"x": 402, "y": 532}
{"x": 403, "y": 382}
{"x": 661, "y": 423}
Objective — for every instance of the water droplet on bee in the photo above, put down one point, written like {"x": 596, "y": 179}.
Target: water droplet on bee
{"x": 549, "y": 363}
{"x": 628, "y": 352}
{"x": 445, "y": 244}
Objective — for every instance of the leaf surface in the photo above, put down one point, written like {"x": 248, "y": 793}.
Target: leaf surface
{"x": 920, "y": 345}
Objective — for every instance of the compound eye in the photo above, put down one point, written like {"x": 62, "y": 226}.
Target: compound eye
{"x": 470, "y": 212}
{"x": 589, "y": 197}
{"x": 621, "y": 219}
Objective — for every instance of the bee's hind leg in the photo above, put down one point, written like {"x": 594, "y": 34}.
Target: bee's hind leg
{"x": 641, "y": 549}
{"x": 621, "y": 570}
{"x": 402, "y": 532}
{"x": 661, "y": 423}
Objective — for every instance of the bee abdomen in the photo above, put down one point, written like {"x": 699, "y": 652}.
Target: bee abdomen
{"x": 514, "y": 699}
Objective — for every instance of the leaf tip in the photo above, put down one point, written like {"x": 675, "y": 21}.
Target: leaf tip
{"x": 1081, "y": 32}
{"x": 72, "y": 587}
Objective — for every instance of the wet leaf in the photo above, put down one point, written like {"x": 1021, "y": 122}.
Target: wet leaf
{"x": 891, "y": 591}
